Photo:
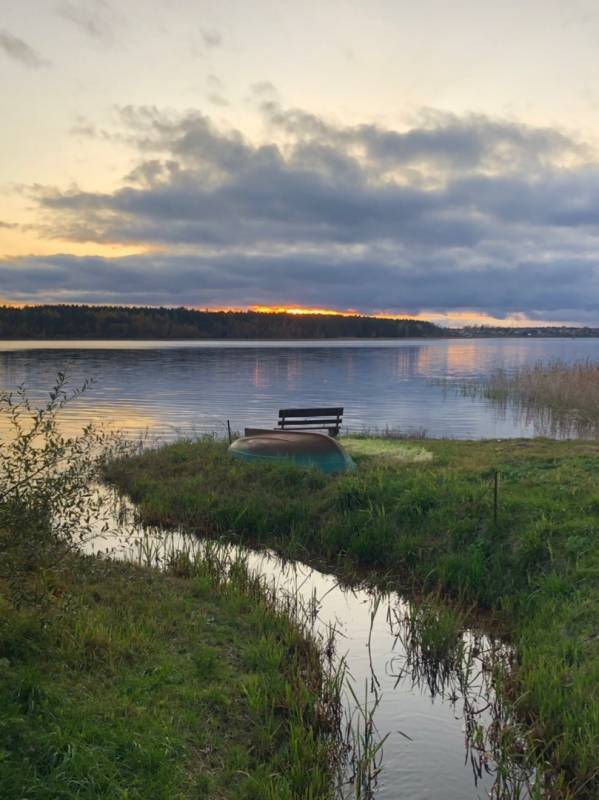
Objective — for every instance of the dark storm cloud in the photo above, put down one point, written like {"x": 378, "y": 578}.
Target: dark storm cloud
{"x": 19, "y": 50}
{"x": 432, "y": 283}
{"x": 216, "y": 188}
{"x": 459, "y": 213}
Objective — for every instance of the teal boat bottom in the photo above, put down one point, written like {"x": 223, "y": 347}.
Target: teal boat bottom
{"x": 302, "y": 448}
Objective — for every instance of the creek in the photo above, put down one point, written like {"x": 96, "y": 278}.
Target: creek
{"x": 442, "y": 727}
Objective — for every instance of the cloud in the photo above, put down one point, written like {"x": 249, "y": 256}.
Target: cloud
{"x": 439, "y": 139}
{"x": 560, "y": 291}
{"x": 215, "y": 187}
{"x": 214, "y": 82}
{"x": 94, "y": 17}
{"x": 211, "y": 38}
{"x": 453, "y": 213}
{"x": 83, "y": 128}
{"x": 215, "y": 95}
{"x": 19, "y": 50}
{"x": 217, "y": 99}
{"x": 262, "y": 88}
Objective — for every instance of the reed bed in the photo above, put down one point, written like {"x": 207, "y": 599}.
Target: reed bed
{"x": 561, "y": 398}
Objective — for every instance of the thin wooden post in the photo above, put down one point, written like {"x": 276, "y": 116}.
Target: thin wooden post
{"x": 495, "y": 494}
{"x": 229, "y": 431}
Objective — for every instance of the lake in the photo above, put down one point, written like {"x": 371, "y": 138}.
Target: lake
{"x": 171, "y": 389}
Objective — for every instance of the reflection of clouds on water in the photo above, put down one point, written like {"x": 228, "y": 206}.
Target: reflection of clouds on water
{"x": 294, "y": 370}
{"x": 461, "y": 359}
{"x": 407, "y": 362}
{"x": 186, "y": 388}
{"x": 110, "y": 418}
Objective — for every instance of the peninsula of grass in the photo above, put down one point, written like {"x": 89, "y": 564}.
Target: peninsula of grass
{"x": 423, "y": 513}
{"x": 131, "y": 683}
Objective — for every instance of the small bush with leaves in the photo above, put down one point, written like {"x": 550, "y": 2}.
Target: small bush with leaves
{"x": 48, "y": 504}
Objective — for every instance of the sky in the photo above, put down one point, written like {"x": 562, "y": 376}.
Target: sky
{"x": 432, "y": 159}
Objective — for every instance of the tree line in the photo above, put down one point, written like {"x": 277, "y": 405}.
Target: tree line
{"x": 116, "y": 322}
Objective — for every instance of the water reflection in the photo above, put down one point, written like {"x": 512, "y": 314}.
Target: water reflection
{"x": 548, "y": 422}
{"x": 186, "y": 388}
{"x": 445, "y": 735}
{"x": 463, "y": 675}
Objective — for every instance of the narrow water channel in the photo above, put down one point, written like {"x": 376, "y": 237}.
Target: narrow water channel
{"x": 440, "y": 722}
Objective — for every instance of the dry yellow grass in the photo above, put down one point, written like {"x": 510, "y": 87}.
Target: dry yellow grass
{"x": 388, "y": 449}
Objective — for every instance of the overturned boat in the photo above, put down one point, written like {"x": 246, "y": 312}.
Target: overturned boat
{"x": 304, "y": 448}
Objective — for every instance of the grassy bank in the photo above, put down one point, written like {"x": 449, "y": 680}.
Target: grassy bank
{"x": 129, "y": 683}
{"x": 429, "y": 520}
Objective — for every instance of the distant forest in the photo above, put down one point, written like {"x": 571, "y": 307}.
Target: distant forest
{"x": 116, "y": 322}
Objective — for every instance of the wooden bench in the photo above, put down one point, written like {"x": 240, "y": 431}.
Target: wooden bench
{"x": 311, "y": 419}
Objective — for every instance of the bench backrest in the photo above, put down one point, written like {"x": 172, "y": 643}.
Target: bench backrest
{"x": 311, "y": 419}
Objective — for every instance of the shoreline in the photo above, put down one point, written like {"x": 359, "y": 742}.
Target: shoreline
{"x": 276, "y": 339}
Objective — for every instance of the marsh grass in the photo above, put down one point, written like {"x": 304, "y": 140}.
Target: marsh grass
{"x": 200, "y": 680}
{"x": 364, "y": 742}
{"x": 560, "y": 398}
{"x": 431, "y": 526}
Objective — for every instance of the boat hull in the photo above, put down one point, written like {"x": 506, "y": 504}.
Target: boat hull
{"x": 306, "y": 449}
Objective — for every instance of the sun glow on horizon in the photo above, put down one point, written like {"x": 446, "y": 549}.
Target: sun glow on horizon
{"x": 448, "y": 319}
{"x": 304, "y": 310}
{"x": 310, "y": 311}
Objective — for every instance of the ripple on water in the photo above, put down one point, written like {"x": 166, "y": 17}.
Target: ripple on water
{"x": 175, "y": 388}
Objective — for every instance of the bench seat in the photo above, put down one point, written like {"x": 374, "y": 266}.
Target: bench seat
{"x": 321, "y": 418}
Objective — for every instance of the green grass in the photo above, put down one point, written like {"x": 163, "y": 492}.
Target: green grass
{"x": 132, "y": 684}
{"x": 429, "y": 522}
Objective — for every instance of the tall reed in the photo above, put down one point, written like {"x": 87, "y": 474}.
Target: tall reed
{"x": 562, "y": 398}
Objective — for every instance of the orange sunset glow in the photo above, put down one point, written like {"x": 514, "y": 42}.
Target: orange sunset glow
{"x": 450, "y": 319}
{"x": 328, "y": 312}
{"x": 310, "y": 311}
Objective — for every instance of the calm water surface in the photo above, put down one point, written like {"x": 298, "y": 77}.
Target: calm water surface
{"x": 170, "y": 389}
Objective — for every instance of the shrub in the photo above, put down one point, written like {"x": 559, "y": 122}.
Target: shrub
{"x": 48, "y": 503}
